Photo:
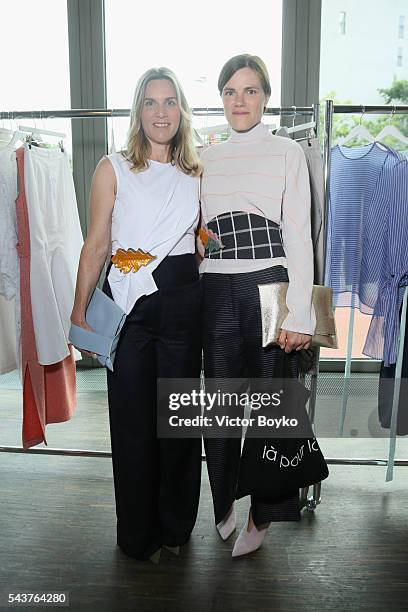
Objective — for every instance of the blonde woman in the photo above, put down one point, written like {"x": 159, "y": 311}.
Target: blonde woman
{"x": 146, "y": 197}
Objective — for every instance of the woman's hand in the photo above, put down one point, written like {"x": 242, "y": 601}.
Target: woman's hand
{"x": 200, "y": 248}
{"x": 80, "y": 322}
{"x": 289, "y": 340}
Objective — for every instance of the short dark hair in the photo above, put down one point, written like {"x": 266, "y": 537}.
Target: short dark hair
{"x": 245, "y": 60}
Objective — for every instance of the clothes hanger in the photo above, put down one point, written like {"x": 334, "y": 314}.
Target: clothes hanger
{"x": 35, "y": 136}
{"x": 16, "y": 135}
{"x": 4, "y": 130}
{"x": 41, "y": 131}
{"x": 311, "y": 134}
{"x": 219, "y": 129}
{"x": 393, "y": 131}
{"x": 302, "y": 126}
{"x": 11, "y": 132}
{"x": 282, "y": 130}
{"x": 358, "y": 131}
{"x": 308, "y": 127}
{"x": 197, "y": 136}
{"x": 205, "y": 126}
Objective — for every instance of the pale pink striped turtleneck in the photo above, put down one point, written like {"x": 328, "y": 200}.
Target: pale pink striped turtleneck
{"x": 267, "y": 175}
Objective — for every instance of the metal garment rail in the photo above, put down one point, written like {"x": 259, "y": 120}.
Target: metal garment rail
{"x": 330, "y": 109}
{"x": 106, "y": 454}
{"x": 94, "y": 113}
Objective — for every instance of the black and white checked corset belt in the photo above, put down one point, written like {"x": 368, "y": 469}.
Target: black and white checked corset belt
{"x": 246, "y": 236}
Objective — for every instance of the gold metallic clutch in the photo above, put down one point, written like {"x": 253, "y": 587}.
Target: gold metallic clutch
{"x": 274, "y": 312}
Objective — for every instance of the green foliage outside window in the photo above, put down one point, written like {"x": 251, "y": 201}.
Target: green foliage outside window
{"x": 396, "y": 94}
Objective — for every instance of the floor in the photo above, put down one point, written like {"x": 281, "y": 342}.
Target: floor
{"x": 57, "y": 528}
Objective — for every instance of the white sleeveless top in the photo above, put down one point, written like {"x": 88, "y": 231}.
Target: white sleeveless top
{"x": 155, "y": 210}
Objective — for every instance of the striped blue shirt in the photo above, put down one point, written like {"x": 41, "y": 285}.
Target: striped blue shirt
{"x": 366, "y": 260}
{"x": 383, "y": 334}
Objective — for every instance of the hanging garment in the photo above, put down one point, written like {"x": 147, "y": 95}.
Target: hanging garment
{"x": 383, "y": 334}
{"x": 9, "y": 267}
{"x": 49, "y": 392}
{"x": 357, "y": 254}
{"x": 56, "y": 242}
{"x": 8, "y": 231}
{"x": 8, "y": 348}
{"x": 386, "y": 393}
{"x": 314, "y": 160}
{"x": 162, "y": 223}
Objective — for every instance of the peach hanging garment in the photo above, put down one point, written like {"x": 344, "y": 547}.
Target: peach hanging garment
{"x": 49, "y": 392}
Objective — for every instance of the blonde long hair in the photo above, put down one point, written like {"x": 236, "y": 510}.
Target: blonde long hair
{"x": 138, "y": 148}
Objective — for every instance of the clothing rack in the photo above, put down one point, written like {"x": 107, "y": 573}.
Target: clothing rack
{"x": 330, "y": 110}
{"x": 289, "y": 111}
{"x": 94, "y": 113}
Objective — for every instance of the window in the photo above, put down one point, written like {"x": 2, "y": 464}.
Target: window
{"x": 401, "y": 26}
{"x": 192, "y": 41}
{"x": 36, "y": 74}
{"x": 354, "y": 67}
{"x": 342, "y": 22}
{"x": 373, "y": 67}
{"x": 360, "y": 331}
{"x": 399, "y": 57}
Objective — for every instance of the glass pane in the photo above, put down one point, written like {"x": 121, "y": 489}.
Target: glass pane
{"x": 34, "y": 76}
{"x": 377, "y": 77}
{"x": 360, "y": 330}
{"x": 193, "y": 41}
{"x": 36, "y": 73}
{"x": 359, "y": 43}
{"x": 401, "y": 25}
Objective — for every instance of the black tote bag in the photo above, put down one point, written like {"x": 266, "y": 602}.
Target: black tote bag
{"x": 274, "y": 467}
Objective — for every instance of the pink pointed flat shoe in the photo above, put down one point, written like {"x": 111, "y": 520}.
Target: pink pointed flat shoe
{"x": 248, "y": 541}
{"x": 228, "y": 525}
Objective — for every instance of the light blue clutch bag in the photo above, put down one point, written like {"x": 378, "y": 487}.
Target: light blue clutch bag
{"x": 106, "y": 319}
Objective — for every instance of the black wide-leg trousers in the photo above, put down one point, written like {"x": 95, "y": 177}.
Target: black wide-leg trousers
{"x": 157, "y": 480}
{"x": 232, "y": 345}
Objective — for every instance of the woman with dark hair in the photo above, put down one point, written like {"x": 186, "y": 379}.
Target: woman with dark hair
{"x": 255, "y": 197}
{"x": 146, "y": 197}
